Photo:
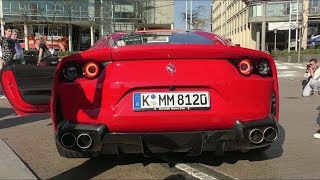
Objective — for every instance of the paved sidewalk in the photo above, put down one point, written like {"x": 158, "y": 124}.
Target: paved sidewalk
{"x": 11, "y": 167}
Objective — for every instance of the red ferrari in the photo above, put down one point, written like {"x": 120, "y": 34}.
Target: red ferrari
{"x": 153, "y": 92}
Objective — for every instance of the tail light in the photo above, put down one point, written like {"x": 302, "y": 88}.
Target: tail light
{"x": 263, "y": 68}
{"x": 245, "y": 67}
{"x": 91, "y": 70}
{"x": 72, "y": 70}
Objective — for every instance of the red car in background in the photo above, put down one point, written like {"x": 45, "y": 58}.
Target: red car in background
{"x": 153, "y": 92}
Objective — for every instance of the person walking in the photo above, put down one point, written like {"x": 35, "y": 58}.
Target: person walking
{"x": 7, "y": 50}
{"x": 40, "y": 47}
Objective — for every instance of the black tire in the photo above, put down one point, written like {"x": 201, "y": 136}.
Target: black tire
{"x": 74, "y": 154}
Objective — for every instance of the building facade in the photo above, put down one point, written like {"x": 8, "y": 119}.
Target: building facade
{"x": 84, "y": 21}
{"x": 230, "y": 19}
{"x": 265, "y": 25}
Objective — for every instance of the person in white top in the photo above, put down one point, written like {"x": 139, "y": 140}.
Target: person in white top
{"x": 312, "y": 73}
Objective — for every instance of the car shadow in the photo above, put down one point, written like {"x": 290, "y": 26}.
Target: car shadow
{"x": 176, "y": 177}
{"x": 318, "y": 117}
{"x": 6, "y": 112}
{"x": 89, "y": 169}
{"x": 18, "y": 120}
{"x": 96, "y": 166}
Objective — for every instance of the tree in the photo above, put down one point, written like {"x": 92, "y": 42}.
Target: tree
{"x": 25, "y": 17}
{"x": 199, "y": 21}
{"x": 93, "y": 24}
{"x": 144, "y": 10}
{"x": 49, "y": 20}
{"x": 150, "y": 11}
{"x": 69, "y": 5}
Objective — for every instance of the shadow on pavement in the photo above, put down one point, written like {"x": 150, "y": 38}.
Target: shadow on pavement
{"x": 16, "y": 121}
{"x": 6, "y": 112}
{"x": 89, "y": 169}
{"x": 96, "y": 166}
{"x": 175, "y": 177}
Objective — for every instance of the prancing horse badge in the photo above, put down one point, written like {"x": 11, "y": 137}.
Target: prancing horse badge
{"x": 170, "y": 67}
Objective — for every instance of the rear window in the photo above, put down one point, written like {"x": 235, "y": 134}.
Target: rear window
{"x": 162, "y": 38}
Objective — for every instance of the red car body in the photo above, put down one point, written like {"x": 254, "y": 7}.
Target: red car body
{"x": 95, "y": 112}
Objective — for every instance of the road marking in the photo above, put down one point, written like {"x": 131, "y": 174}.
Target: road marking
{"x": 291, "y": 70}
{"x": 194, "y": 172}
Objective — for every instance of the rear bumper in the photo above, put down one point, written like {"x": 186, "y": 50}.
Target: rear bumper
{"x": 190, "y": 143}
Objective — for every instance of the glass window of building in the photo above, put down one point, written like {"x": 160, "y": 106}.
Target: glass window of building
{"x": 14, "y": 7}
{"x": 50, "y": 8}
{"x": 255, "y": 10}
{"x": 84, "y": 9}
{"x": 123, "y": 11}
{"x": 278, "y": 9}
{"x": 6, "y": 6}
{"x": 314, "y": 6}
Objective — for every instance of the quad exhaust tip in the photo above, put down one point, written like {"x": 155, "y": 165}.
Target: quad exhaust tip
{"x": 68, "y": 140}
{"x": 256, "y": 136}
{"x": 84, "y": 141}
{"x": 270, "y": 134}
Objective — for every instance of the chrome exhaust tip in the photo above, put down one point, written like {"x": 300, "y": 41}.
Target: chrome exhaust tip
{"x": 270, "y": 134}
{"x": 84, "y": 141}
{"x": 68, "y": 140}
{"x": 256, "y": 136}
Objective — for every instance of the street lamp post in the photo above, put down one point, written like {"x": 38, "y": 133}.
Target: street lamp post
{"x": 191, "y": 15}
{"x": 297, "y": 22}
{"x": 299, "y": 42}
{"x": 289, "y": 38}
{"x": 186, "y": 15}
{"x": 275, "y": 40}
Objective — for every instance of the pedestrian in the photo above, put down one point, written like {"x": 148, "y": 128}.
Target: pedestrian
{"x": 18, "y": 50}
{"x": 41, "y": 48}
{"x": 7, "y": 45}
{"x": 7, "y": 50}
{"x": 52, "y": 52}
{"x": 312, "y": 73}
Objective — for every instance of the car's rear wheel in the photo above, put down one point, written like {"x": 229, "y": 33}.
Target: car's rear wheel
{"x": 74, "y": 154}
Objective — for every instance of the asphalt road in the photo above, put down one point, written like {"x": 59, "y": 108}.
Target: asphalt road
{"x": 294, "y": 155}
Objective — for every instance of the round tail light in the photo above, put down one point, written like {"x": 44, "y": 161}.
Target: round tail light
{"x": 263, "y": 68}
{"x": 71, "y": 71}
{"x": 245, "y": 67}
{"x": 91, "y": 70}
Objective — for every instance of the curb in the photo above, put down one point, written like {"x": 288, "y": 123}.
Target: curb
{"x": 11, "y": 166}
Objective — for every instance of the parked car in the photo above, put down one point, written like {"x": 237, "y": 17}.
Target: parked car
{"x": 153, "y": 92}
{"x": 31, "y": 57}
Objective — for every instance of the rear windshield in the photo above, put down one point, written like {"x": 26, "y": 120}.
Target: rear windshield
{"x": 162, "y": 38}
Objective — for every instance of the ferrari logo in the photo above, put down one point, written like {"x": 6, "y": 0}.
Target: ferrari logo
{"x": 170, "y": 67}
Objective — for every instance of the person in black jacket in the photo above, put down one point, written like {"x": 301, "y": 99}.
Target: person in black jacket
{"x": 7, "y": 45}
{"x": 7, "y": 50}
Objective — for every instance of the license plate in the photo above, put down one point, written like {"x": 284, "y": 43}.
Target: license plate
{"x": 171, "y": 101}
